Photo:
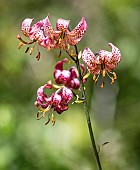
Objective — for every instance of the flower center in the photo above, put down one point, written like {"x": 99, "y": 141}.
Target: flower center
{"x": 103, "y": 72}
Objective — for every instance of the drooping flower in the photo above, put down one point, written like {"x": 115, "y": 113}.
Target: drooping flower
{"x": 64, "y": 38}
{"x": 58, "y": 101}
{"x": 61, "y": 98}
{"x": 69, "y": 77}
{"x": 103, "y": 64}
{"x": 35, "y": 34}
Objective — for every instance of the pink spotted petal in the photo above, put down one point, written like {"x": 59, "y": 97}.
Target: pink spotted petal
{"x": 37, "y": 26}
{"x": 56, "y": 99}
{"x": 42, "y": 98}
{"x": 115, "y": 52}
{"x": 62, "y": 24}
{"x": 91, "y": 61}
{"x": 73, "y": 72}
{"x": 66, "y": 95}
{"x": 77, "y": 33}
{"x": 111, "y": 59}
{"x": 75, "y": 83}
{"x": 26, "y": 26}
{"x": 48, "y": 29}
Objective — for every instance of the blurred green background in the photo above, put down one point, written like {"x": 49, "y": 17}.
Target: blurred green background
{"x": 25, "y": 143}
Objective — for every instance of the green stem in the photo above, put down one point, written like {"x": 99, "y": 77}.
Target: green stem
{"x": 87, "y": 113}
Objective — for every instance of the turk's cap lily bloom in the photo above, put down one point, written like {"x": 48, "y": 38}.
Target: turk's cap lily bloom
{"x": 58, "y": 101}
{"x": 69, "y": 77}
{"x": 62, "y": 35}
{"x": 43, "y": 99}
{"x": 61, "y": 99}
{"x": 35, "y": 34}
{"x": 103, "y": 64}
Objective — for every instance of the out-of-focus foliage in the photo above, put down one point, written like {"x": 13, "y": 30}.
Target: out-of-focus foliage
{"x": 26, "y": 143}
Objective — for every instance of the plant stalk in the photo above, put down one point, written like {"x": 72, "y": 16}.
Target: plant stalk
{"x": 87, "y": 113}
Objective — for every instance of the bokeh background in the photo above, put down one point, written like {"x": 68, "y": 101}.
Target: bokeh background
{"x": 27, "y": 144}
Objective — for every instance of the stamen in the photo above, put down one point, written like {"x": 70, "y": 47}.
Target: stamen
{"x": 59, "y": 41}
{"x": 42, "y": 110}
{"x": 38, "y": 106}
{"x": 24, "y": 42}
{"x": 96, "y": 78}
{"x": 27, "y": 49}
{"x": 112, "y": 78}
{"x": 47, "y": 121}
{"x": 53, "y": 119}
{"x": 60, "y": 53}
{"x": 102, "y": 85}
{"x": 68, "y": 46}
{"x": 115, "y": 76}
{"x": 38, "y": 56}
{"x": 37, "y": 115}
{"x": 31, "y": 51}
{"x": 103, "y": 72}
{"x": 20, "y": 45}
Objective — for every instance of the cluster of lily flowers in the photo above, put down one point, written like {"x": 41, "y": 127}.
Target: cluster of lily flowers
{"x": 67, "y": 81}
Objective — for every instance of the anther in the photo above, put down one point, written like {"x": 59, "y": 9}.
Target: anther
{"x": 20, "y": 45}
{"x": 103, "y": 72}
{"x": 94, "y": 77}
{"x": 102, "y": 85}
{"x": 27, "y": 49}
{"x": 53, "y": 119}
{"x": 31, "y": 51}
{"x": 115, "y": 76}
{"x": 38, "y": 56}
{"x": 112, "y": 80}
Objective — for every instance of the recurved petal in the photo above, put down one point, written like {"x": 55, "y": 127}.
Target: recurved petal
{"x": 91, "y": 61}
{"x": 75, "y": 83}
{"x": 77, "y": 33}
{"x": 56, "y": 99}
{"x": 115, "y": 52}
{"x": 26, "y": 26}
{"x": 66, "y": 94}
{"x": 112, "y": 58}
{"x": 40, "y": 91}
{"x": 73, "y": 72}
{"x": 37, "y": 26}
{"x": 62, "y": 24}
{"x": 48, "y": 29}
{"x": 88, "y": 57}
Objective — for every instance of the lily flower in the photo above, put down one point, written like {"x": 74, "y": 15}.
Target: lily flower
{"x": 35, "y": 34}
{"x": 58, "y": 101}
{"x": 64, "y": 38}
{"x": 103, "y": 64}
{"x": 61, "y": 98}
